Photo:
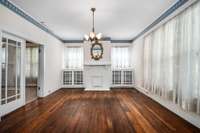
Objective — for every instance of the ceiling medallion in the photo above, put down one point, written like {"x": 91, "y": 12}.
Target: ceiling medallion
{"x": 93, "y": 37}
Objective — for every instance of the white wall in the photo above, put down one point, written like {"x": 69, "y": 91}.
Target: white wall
{"x": 12, "y": 23}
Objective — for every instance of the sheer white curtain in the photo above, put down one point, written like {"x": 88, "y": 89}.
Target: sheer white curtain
{"x": 32, "y": 61}
{"x": 147, "y": 62}
{"x": 156, "y": 60}
{"x": 73, "y": 57}
{"x": 189, "y": 59}
{"x": 168, "y": 58}
{"x": 120, "y": 57}
{"x": 32, "y": 65}
{"x": 172, "y": 60}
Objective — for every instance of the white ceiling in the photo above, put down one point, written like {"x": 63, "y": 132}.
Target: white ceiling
{"x": 118, "y": 19}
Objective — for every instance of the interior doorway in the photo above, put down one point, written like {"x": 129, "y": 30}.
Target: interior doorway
{"x": 32, "y": 71}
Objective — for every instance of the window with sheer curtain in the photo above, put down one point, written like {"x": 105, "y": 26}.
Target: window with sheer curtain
{"x": 32, "y": 61}
{"x": 120, "y": 57}
{"x": 32, "y": 65}
{"x": 172, "y": 60}
{"x": 73, "y": 57}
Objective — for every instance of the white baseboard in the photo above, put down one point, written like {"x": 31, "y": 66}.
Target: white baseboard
{"x": 72, "y": 86}
{"x": 188, "y": 116}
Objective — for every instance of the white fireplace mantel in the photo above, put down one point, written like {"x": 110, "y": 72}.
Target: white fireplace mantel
{"x": 97, "y": 64}
{"x": 97, "y": 76}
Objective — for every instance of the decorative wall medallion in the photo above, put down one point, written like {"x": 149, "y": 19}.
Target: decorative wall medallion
{"x": 96, "y": 51}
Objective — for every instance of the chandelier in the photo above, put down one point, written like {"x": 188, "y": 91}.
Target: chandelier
{"x": 93, "y": 37}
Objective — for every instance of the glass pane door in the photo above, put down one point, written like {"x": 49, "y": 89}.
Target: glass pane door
{"x": 18, "y": 56}
{"x": 11, "y": 71}
{"x": 3, "y": 71}
{"x": 11, "y": 66}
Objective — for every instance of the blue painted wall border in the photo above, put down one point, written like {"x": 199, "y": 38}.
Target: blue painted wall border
{"x": 104, "y": 39}
{"x": 21, "y": 13}
{"x": 162, "y": 17}
{"x": 18, "y": 11}
{"x": 73, "y": 41}
{"x": 121, "y": 41}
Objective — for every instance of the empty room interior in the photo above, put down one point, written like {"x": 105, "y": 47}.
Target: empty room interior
{"x": 100, "y": 66}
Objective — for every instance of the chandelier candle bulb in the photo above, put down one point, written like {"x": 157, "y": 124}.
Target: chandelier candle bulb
{"x": 93, "y": 37}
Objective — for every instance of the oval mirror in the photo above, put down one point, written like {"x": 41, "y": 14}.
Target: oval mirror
{"x": 96, "y": 51}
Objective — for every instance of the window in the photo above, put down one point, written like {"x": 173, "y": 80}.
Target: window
{"x": 32, "y": 64}
{"x": 120, "y": 57}
{"x": 73, "y": 58}
{"x": 171, "y": 57}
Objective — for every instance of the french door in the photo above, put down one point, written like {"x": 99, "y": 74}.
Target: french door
{"x": 12, "y": 94}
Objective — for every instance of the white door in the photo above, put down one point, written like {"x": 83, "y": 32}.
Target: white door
{"x": 12, "y": 94}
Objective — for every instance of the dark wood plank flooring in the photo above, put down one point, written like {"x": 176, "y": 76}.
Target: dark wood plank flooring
{"x": 76, "y": 111}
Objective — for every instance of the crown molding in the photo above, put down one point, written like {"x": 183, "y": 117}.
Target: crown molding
{"x": 73, "y": 41}
{"x": 172, "y": 9}
{"x": 103, "y": 39}
{"x": 121, "y": 41}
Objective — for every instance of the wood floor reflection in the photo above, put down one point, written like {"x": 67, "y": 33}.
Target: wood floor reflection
{"x": 77, "y": 111}
{"x": 31, "y": 93}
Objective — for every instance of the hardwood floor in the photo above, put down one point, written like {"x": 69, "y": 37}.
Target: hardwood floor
{"x": 76, "y": 111}
{"x": 31, "y": 93}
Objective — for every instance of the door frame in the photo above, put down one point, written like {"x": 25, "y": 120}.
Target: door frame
{"x": 41, "y": 66}
{"x": 41, "y": 71}
{"x": 0, "y": 71}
